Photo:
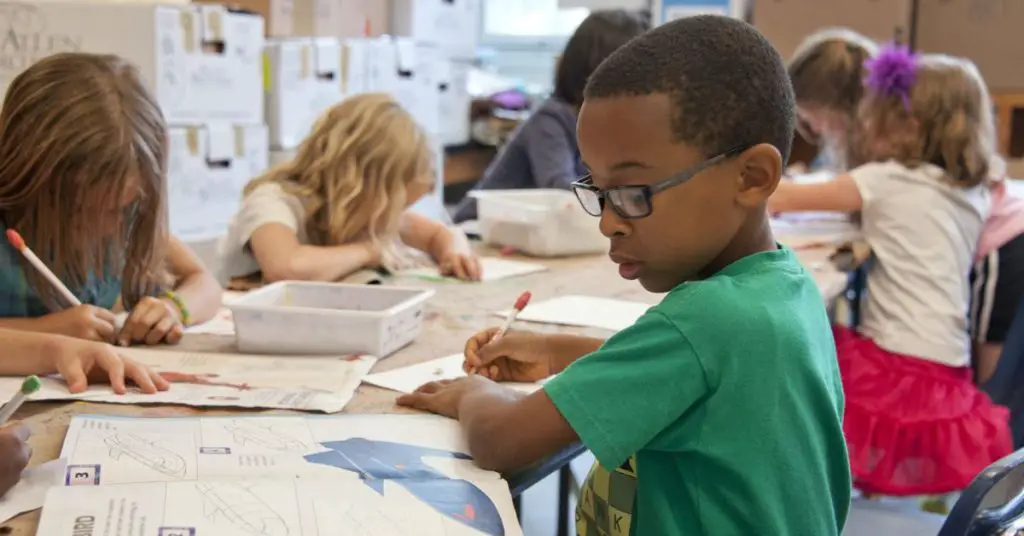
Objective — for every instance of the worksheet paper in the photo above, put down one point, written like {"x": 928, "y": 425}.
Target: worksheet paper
{"x": 408, "y": 379}
{"x": 323, "y": 384}
{"x": 30, "y": 492}
{"x": 585, "y": 311}
{"x": 275, "y": 475}
{"x": 492, "y": 268}
{"x": 290, "y": 507}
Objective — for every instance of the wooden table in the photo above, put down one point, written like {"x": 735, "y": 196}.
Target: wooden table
{"x": 457, "y": 311}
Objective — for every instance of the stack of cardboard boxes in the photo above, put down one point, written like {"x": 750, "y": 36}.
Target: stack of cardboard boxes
{"x": 204, "y": 66}
{"x": 983, "y": 31}
{"x": 416, "y": 50}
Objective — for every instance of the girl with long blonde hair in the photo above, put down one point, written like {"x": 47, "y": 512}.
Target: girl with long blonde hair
{"x": 341, "y": 204}
{"x": 827, "y": 71}
{"x": 915, "y": 424}
{"x": 83, "y": 150}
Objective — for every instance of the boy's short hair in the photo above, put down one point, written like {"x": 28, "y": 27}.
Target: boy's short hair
{"x": 729, "y": 87}
{"x": 600, "y": 34}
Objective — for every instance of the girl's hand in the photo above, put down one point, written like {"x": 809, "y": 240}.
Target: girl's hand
{"x": 82, "y": 322}
{"x": 82, "y": 362}
{"x": 153, "y": 320}
{"x": 460, "y": 264}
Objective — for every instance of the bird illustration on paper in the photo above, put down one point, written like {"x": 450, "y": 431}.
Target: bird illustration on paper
{"x": 403, "y": 465}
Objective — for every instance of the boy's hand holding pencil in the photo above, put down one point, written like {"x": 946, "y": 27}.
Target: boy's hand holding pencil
{"x": 518, "y": 356}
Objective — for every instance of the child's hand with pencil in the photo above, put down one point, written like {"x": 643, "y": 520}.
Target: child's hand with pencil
{"x": 82, "y": 322}
{"x": 518, "y": 356}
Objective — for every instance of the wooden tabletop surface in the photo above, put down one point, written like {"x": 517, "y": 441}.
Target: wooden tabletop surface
{"x": 456, "y": 311}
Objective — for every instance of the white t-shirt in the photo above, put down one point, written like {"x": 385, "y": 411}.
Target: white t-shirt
{"x": 922, "y": 231}
{"x": 266, "y": 204}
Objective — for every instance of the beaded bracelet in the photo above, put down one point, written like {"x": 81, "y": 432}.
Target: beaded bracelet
{"x": 180, "y": 304}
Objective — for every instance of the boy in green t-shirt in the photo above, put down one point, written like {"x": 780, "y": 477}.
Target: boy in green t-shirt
{"x": 719, "y": 411}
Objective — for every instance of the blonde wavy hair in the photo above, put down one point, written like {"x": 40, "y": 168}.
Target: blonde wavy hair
{"x": 945, "y": 121}
{"x": 355, "y": 171}
{"x": 827, "y": 71}
{"x": 83, "y": 163}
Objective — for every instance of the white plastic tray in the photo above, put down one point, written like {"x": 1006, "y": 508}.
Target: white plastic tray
{"x": 541, "y": 222}
{"x": 292, "y": 317}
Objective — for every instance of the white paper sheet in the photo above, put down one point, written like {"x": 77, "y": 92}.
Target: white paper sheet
{"x": 221, "y": 324}
{"x": 408, "y": 379}
{"x": 30, "y": 492}
{"x": 322, "y": 384}
{"x": 586, "y": 311}
{"x": 492, "y": 268}
{"x": 285, "y": 507}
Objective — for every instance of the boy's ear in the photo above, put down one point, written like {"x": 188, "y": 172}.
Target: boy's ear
{"x": 760, "y": 172}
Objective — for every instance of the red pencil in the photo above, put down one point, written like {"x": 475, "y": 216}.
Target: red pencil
{"x": 520, "y": 304}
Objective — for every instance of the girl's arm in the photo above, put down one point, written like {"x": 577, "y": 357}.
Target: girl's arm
{"x": 431, "y": 237}
{"x": 448, "y": 247}
{"x": 281, "y": 257}
{"x": 193, "y": 283}
{"x": 837, "y": 195}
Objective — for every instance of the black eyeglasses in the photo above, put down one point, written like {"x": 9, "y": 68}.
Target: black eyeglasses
{"x": 634, "y": 202}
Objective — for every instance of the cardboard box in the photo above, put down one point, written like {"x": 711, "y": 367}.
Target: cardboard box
{"x": 454, "y": 103}
{"x": 356, "y": 57}
{"x": 202, "y": 62}
{"x": 303, "y": 78}
{"x": 986, "y": 32}
{"x": 432, "y": 204}
{"x": 787, "y": 22}
{"x": 452, "y": 25}
{"x": 208, "y": 167}
{"x": 416, "y": 86}
{"x": 277, "y": 14}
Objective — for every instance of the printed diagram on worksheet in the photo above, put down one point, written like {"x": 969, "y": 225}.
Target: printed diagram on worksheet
{"x": 281, "y": 507}
{"x": 115, "y": 450}
{"x": 322, "y": 384}
{"x": 278, "y": 476}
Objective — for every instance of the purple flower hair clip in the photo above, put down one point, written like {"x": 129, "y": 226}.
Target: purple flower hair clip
{"x": 893, "y": 72}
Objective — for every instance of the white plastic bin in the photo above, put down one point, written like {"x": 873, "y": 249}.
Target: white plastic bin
{"x": 292, "y": 317}
{"x": 541, "y": 222}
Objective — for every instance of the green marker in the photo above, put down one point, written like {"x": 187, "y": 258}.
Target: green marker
{"x": 29, "y": 386}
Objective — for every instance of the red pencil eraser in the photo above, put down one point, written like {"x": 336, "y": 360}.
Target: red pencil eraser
{"x": 15, "y": 239}
{"x": 524, "y": 299}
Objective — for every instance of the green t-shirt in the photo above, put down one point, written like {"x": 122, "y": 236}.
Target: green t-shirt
{"x": 724, "y": 400}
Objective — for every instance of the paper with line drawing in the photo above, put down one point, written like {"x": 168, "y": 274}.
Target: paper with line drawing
{"x": 264, "y": 475}
{"x": 323, "y": 384}
{"x": 281, "y": 507}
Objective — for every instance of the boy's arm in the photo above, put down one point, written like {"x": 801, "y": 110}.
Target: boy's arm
{"x": 194, "y": 284}
{"x": 838, "y": 195}
{"x": 615, "y": 400}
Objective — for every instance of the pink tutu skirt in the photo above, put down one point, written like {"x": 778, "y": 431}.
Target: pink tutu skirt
{"x": 914, "y": 427}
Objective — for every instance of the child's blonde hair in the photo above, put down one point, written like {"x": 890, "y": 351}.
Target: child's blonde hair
{"x": 945, "y": 120}
{"x": 83, "y": 156}
{"x": 354, "y": 170}
{"x": 827, "y": 70}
